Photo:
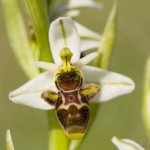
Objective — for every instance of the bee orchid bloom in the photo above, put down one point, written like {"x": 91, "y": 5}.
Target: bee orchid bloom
{"x": 62, "y": 86}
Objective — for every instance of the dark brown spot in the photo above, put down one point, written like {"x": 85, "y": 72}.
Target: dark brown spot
{"x": 84, "y": 99}
{"x": 49, "y": 101}
{"x": 74, "y": 120}
{"x": 58, "y": 102}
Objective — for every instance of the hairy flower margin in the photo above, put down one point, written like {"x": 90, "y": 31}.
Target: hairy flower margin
{"x": 63, "y": 33}
{"x": 126, "y": 144}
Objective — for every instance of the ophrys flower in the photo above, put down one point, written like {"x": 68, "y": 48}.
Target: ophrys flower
{"x": 62, "y": 86}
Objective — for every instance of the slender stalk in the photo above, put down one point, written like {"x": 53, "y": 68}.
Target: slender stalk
{"x": 58, "y": 140}
{"x": 40, "y": 23}
{"x": 18, "y": 37}
{"x": 146, "y": 98}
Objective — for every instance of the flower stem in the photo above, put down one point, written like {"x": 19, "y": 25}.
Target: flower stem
{"x": 146, "y": 98}
{"x": 18, "y": 37}
{"x": 57, "y": 138}
{"x": 40, "y": 23}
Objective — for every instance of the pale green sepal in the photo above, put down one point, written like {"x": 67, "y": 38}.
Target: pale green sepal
{"x": 9, "y": 143}
{"x": 108, "y": 37}
{"x": 20, "y": 44}
{"x": 126, "y": 144}
{"x": 40, "y": 23}
{"x": 146, "y": 98}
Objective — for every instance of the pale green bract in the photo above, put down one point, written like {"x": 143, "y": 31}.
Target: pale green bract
{"x": 9, "y": 143}
{"x": 63, "y": 33}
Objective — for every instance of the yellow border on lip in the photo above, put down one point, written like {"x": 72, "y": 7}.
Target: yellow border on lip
{"x": 75, "y": 136}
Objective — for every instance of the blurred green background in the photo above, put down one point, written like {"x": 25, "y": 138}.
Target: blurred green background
{"x": 120, "y": 117}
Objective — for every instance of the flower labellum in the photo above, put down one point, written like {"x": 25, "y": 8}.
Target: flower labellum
{"x": 72, "y": 101}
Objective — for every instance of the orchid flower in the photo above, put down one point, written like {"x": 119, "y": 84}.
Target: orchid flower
{"x": 126, "y": 144}
{"x": 62, "y": 86}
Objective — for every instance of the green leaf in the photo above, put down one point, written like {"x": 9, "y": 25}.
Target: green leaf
{"x": 18, "y": 37}
{"x": 9, "y": 143}
{"x": 107, "y": 41}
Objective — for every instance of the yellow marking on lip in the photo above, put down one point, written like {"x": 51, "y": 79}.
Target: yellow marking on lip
{"x": 75, "y": 136}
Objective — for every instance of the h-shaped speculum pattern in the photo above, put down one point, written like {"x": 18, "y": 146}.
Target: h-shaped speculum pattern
{"x": 71, "y": 102}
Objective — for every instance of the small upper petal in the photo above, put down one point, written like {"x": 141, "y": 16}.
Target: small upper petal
{"x": 126, "y": 144}
{"x": 47, "y": 66}
{"x": 30, "y": 93}
{"x": 63, "y": 33}
{"x": 85, "y": 60}
{"x": 111, "y": 84}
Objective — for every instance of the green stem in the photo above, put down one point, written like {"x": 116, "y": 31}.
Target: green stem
{"x": 18, "y": 37}
{"x": 40, "y": 23}
{"x": 58, "y": 140}
{"x": 146, "y": 98}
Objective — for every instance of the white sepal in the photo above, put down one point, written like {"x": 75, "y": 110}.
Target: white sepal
{"x": 111, "y": 84}
{"x": 126, "y": 144}
{"x": 30, "y": 93}
{"x": 63, "y": 33}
